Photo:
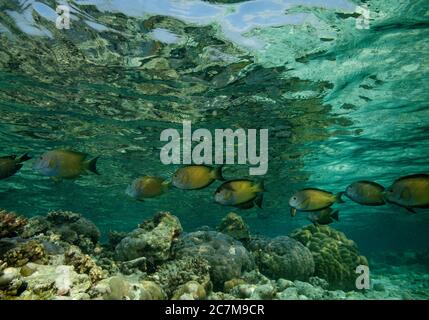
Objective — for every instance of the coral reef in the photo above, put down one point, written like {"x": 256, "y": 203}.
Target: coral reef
{"x": 227, "y": 257}
{"x": 71, "y": 227}
{"x": 153, "y": 239}
{"x": 201, "y": 265}
{"x": 178, "y": 272}
{"x": 234, "y": 226}
{"x": 335, "y": 256}
{"x": 10, "y": 224}
{"x": 30, "y": 251}
{"x": 83, "y": 263}
{"x": 282, "y": 257}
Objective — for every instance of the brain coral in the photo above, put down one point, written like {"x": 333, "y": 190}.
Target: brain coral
{"x": 282, "y": 257}
{"x": 335, "y": 256}
{"x": 227, "y": 257}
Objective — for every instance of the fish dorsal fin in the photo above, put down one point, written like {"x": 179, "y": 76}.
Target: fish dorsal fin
{"x": 81, "y": 155}
{"x": 414, "y": 176}
{"x": 315, "y": 189}
{"x": 372, "y": 183}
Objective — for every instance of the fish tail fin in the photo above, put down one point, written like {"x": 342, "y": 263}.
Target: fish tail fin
{"x": 24, "y": 157}
{"x": 259, "y": 199}
{"x": 218, "y": 175}
{"x": 335, "y": 215}
{"x": 338, "y": 197}
{"x": 91, "y": 165}
{"x": 259, "y": 186}
{"x": 166, "y": 184}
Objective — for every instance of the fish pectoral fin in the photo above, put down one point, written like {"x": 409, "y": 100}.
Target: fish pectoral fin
{"x": 292, "y": 212}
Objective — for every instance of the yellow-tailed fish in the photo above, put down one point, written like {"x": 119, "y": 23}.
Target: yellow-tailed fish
{"x": 240, "y": 193}
{"x": 9, "y": 165}
{"x": 409, "y": 192}
{"x": 367, "y": 193}
{"x": 196, "y": 176}
{"x": 147, "y": 187}
{"x": 313, "y": 200}
{"x": 64, "y": 164}
{"x": 324, "y": 217}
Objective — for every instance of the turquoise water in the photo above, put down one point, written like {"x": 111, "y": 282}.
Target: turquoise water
{"x": 341, "y": 104}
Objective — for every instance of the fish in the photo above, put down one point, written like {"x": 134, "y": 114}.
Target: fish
{"x": 409, "y": 192}
{"x": 147, "y": 187}
{"x": 9, "y": 165}
{"x": 65, "y": 164}
{"x": 312, "y": 199}
{"x": 240, "y": 193}
{"x": 194, "y": 177}
{"x": 323, "y": 217}
{"x": 367, "y": 193}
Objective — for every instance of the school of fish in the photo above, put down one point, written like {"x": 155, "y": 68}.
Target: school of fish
{"x": 410, "y": 192}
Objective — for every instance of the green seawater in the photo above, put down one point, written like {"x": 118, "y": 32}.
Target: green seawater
{"x": 342, "y": 103}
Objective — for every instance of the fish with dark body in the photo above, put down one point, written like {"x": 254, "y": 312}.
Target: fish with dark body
{"x": 323, "y": 217}
{"x": 147, "y": 187}
{"x": 9, "y": 165}
{"x": 312, "y": 199}
{"x": 64, "y": 164}
{"x": 194, "y": 177}
{"x": 366, "y": 193}
{"x": 409, "y": 192}
{"x": 240, "y": 193}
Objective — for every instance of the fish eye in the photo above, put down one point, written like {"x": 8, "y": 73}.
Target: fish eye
{"x": 294, "y": 198}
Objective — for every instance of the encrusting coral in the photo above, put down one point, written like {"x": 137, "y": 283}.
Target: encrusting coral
{"x": 175, "y": 273}
{"x": 191, "y": 290}
{"x": 335, "y": 256}
{"x": 10, "y": 224}
{"x": 153, "y": 239}
{"x": 71, "y": 227}
{"x": 83, "y": 263}
{"x": 30, "y": 251}
{"x": 234, "y": 226}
